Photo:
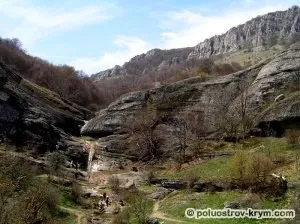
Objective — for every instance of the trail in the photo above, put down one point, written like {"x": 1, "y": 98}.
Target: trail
{"x": 80, "y": 215}
{"x": 159, "y": 215}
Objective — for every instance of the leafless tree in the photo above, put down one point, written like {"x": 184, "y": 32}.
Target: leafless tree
{"x": 238, "y": 120}
{"x": 181, "y": 134}
{"x": 146, "y": 141}
{"x": 195, "y": 131}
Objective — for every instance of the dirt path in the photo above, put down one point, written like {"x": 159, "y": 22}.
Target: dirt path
{"x": 80, "y": 215}
{"x": 160, "y": 215}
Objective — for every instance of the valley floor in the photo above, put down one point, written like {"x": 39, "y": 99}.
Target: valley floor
{"x": 169, "y": 208}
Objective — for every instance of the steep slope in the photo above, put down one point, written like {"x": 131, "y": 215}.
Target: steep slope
{"x": 213, "y": 101}
{"x": 61, "y": 79}
{"x": 260, "y": 33}
{"x": 34, "y": 117}
{"x": 152, "y": 61}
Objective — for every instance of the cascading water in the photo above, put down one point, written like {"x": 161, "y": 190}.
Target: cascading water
{"x": 91, "y": 156}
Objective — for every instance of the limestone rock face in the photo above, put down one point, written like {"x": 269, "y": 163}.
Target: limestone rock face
{"x": 153, "y": 60}
{"x": 35, "y": 117}
{"x": 211, "y": 100}
{"x": 259, "y": 33}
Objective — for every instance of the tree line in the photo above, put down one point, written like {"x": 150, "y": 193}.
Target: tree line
{"x": 62, "y": 79}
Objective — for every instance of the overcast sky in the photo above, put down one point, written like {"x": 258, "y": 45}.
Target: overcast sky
{"x": 93, "y": 35}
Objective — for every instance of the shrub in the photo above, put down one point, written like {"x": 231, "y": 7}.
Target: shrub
{"x": 249, "y": 169}
{"x": 76, "y": 193}
{"x": 192, "y": 178}
{"x": 114, "y": 183}
{"x": 56, "y": 161}
{"x": 123, "y": 217}
{"x": 293, "y": 136}
{"x": 149, "y": 176}
{"x": 140, "y": 208}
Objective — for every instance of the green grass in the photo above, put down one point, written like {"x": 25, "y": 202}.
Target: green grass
{"x": 67, "y": 218}
{"x": 275, "y": 145}
{"x": 174, "y": 206}
{"x": 147, "y": 187}
{"x": 211, "y": 169}
{"x": 218, "y": 168}
{"x": 244, "y": 57}
{"x": 65, "y": 199}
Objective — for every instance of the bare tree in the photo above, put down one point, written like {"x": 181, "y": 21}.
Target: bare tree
{"x": 146, "y": 140}
{"x": 243, "y": 112}
{"x": 195, "y": 131}
{"x": 238, "y": 120}
{"x": 181, "y": 133}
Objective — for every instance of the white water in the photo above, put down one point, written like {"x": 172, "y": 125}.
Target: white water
{"x": 91, "y": 155}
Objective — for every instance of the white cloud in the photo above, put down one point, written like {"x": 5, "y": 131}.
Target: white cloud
{"x": 196, "y": 27}
{"x": 184, "y": 28}
{"x": 129, "y": 46}
{"x": 36, "y": 22}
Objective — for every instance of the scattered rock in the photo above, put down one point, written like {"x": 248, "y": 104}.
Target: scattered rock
{"x": 210, "y": 186}
{"x": 160, "y": 193}
{"x": 153, "y": 221}
{"x": 174, "y": 184}
{"x": 245, "y": 201}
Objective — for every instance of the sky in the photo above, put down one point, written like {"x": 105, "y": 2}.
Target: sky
{"x": 94, "y": 35}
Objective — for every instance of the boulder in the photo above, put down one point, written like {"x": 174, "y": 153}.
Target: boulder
{"x": 212, "y": 186}
{"x": 174, "y": 184}
{"x": 160, "y": 193}
{"x": 244, "y": 202}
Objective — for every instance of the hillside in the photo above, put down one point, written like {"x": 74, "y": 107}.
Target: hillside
{"x": 259, "y": 34}
{"x": 228, "y": 106}
{"x": 36, "y": 118}
{"x": 215, "y": 126}
{"x": 62, "y": 79}
{"x": 237, "y": 49}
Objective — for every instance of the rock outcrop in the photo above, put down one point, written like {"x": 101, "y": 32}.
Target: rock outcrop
{"x": 153, "y": 60}
{"x": 211, "y": 100}
{"x": 260, "y": 33}
{"x": 37, "y": 118}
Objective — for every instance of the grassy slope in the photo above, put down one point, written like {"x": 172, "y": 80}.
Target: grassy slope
{"x": 174, "y": 206}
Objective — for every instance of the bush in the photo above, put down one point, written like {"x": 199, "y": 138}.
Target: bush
{"x": 114, "y": 183}
{"x": 192, "y": 178}
{"x": 140, "y": 208}
{"x": 56, "y": 161}
{"x": 249, "y": 169}
{"x": 293, "y": 136}
{"x": 123, "y": 217}
{"x": 149, "y": 176}
{"x": 39, "y": 204}
{"x": 76, "y": 193}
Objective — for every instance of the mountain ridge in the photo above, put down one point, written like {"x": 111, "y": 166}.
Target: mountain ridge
{"x": 259, "y": 33}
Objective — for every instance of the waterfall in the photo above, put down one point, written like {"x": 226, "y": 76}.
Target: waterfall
{"x": 91, "y": 155}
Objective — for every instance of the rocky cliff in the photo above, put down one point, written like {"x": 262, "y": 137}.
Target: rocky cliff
{"x": 35, "y": 117}
{"x": 262, "y": 32}
{"x": 153, "y": 60}
{"x": 213, "y": 100}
